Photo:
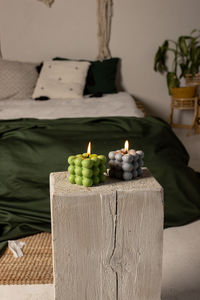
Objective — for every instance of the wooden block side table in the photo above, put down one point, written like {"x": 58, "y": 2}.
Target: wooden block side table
{"x": 107, "y": 239}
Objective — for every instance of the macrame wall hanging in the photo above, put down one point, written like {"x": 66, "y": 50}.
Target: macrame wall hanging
{"x": 104, "y": 17}
{"x": 47, "y": 2}
{"x": 0, "y": 50}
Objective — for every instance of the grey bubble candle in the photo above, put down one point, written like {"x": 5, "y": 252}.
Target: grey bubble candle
{"x": 125, "y": 164}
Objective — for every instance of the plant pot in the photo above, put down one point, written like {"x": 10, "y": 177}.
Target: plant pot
{"x": 184, "y": 92}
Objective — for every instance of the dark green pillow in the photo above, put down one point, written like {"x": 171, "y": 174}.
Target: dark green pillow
{"x": 101, "y": 76}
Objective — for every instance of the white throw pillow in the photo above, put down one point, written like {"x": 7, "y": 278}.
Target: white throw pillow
{"x": 62, "y": 79}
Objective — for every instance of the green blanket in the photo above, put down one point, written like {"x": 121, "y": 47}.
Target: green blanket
{"x": 31, "y": 149}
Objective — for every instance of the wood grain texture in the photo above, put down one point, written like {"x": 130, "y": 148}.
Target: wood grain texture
{"x": 107, "y": 246}
{"x": 139, "y": 244}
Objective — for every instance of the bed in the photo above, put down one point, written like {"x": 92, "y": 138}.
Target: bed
{"x": 36, "y": 136}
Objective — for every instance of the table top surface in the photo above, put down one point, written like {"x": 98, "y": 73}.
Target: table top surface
{"x": 59, "y": 184}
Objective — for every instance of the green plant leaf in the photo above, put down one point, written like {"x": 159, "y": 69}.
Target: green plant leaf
{"x": 160, "y": 58}
{"x": 184, "y": 69}
{"x": 197, "y": 55}
{"x": 193, "y": 69}
{"x": 183, "y": 45}
{"x": 172, "y": 81}
{"x": 194, "y": 31}
{"x": 194, "y": 59}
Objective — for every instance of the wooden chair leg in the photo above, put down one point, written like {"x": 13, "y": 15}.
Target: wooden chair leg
{"x": 171, "y": 113}
{"x": 195, "y": 116}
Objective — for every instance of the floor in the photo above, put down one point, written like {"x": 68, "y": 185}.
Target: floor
{"x": 192, "y": 145}
{"x": 45, "y": 292}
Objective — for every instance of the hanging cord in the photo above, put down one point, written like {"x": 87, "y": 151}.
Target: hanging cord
{"x": 104, "y": 16}
{"x": 0, "y": 50}
{"x": 47, "y": 2}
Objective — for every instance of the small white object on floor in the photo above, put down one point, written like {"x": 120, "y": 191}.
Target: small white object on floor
{"x": 16, "y": 248}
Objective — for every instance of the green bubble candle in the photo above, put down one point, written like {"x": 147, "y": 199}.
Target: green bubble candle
{"x": 87, "y": 169}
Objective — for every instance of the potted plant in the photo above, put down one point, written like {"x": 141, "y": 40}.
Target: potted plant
{"x": 182, "y": 55}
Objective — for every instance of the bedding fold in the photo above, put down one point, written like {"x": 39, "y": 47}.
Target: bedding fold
{"x": 30, "y": 149}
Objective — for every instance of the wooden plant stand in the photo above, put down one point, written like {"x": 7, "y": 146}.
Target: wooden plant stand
{"x": 107, "y": 239}
{"x": 197, "y": 125}
{"x": 184, "y": 104}
{"x": 191, "y": 80}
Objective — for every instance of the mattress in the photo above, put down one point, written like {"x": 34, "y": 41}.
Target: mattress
{"x": 120, "y": 104}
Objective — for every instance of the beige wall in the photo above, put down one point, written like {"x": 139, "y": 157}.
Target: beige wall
{"x": 31, "y": 31}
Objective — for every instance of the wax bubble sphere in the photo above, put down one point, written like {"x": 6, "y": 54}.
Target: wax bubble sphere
{"x": 102, "y": 158}
{"x": 118, "y": 165}
{"x": 140, "y": 153}
{"x": 71, "y": 169}
{"x": 136, "y": 157}
{"x": 127, "y": 167}
{"x": 96, "y": 171}
{"x": 127, "y": 158}
{"x": 118, "y": 156}
{"x": 96, "y": 161}
{"x": 78, "y": 180}
{"x": 132, "y": 152}
{"x": 127, "y": 175}
{"x": 102, "y": 169}
{"x": 111, "y": 155}
{"x": 140, "y": 162}
{"x": 111, "y": 163}
{"x": 78, "y": 161}
{"x": 87, "y": 182}
{"x": 71, "y": 159}
{"x": 102, "y": 178}
{"x": 118, "y": 174}
{"x": 72, "y": 178}
{"x": 86, "y": 170}
{"x": 140, "y": 171}
{"x": 87, "y": 163}
{"x": 135, "y": 173}
{"x": 78, "y": 171}
{"x": 96, "y": 180}
{"x": 136, "y": 164}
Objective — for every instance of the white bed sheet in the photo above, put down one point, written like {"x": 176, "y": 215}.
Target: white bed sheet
{"x": 120, "y": 104}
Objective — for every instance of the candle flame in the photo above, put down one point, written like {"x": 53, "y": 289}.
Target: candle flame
{"x": 89, "y": 149}
{"x": 126, "y": 145}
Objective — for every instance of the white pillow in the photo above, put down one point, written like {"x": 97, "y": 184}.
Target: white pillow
{"x": 62, "y": 79}
{"x": 17, "y": 79}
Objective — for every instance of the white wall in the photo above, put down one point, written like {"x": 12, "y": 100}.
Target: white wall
{"x": 30, "y": 31}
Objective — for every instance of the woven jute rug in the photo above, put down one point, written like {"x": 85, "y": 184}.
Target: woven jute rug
{"x": 35, "y": 267}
